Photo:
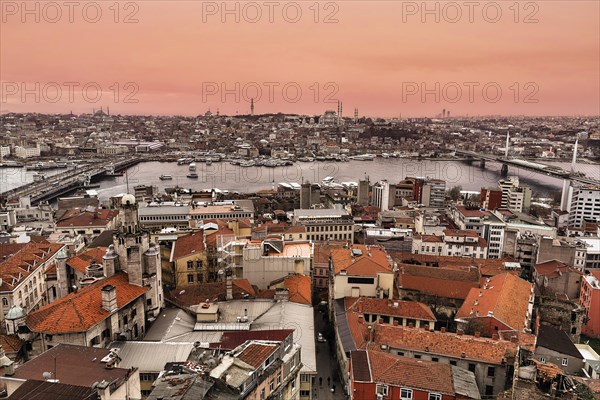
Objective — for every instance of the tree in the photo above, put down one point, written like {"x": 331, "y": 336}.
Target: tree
{"x": 454, "y": 193}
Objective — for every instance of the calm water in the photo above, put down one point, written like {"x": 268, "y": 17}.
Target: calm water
{"x": 234, "y": 178}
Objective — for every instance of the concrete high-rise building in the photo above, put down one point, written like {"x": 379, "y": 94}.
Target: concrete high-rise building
{"x": 363, "y": 192}
{"x": 310, "y": 194}
{"x": 505, "y": 186}
{"x": 519, "y": 199}
{"x": 384, "y": 195}
{"x": 584, "y": 204}
{"x": 133, "y": 252}
{"x": 433, "y": 193}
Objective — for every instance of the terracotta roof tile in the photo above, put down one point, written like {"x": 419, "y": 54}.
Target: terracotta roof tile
{"x": 233, "y": 339}
{"x": 373, "y": 260}
{"x": 256, "y": 354}
{"x": 441, "y": 282}
{"x": 77, "y": 217}
{"x": 504, "y": 297}
{"x": 83, "y": 260}
{"x": 404, "y": 309}
{"x": 447, "y": 344}
{"x": 408, "y": 372}
{"x": 24, "y": 262}
{"x": 189, "y": 244}
{"x": 299, "y": 288}
{"x": 187, "y": 296}
{"x": 81, "y": 310}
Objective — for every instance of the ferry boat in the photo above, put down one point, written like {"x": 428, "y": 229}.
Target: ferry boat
{"x": 192, "y": 175}
{"x": 363, "y": 157}
{"x": 192, "y": 166}
{"x": 165, "y": 177}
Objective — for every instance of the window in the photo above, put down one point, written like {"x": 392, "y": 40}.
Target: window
{"x": 304, "y": 378}
{"x": 279, "y": 377}
{"x": 543, "y": 359}
{"x": 5, "y": 302}
{"x": 491, "y": 371}
{"x": 305, "y": 393}
{"x": 418, "y": 356}
{"x": 435, "y": 359}
{"x": 271, "y": 385}
{"x": 453, "y": 362}
{"x": 364, "y": 281}
{"x": 435, "y": 396}
{"x": 489, "y": 390}
{"x": 564, "y": 362}
{"x": 382, "y": 389}
{"x": 190, "y": 278}
{"x": 262, "y": 394}
{"x": 294, "y": 383}
{"x": 190, "y": 264}
{"x": 472, "y": 367}
{"x": 406, "y": 394}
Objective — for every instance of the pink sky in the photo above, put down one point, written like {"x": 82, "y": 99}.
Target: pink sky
{"x": 368, "y": 59}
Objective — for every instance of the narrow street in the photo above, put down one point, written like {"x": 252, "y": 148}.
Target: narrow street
{"x": 326, "y": 365}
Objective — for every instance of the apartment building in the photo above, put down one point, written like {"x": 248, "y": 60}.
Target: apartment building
{"x": 583, "y": 204}
{"x": 457, "y": 243}
{"x": 325, "y": 224}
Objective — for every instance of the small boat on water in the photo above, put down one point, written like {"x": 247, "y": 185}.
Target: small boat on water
{"x": 165, "y": 177}
{"x": 192, "y": 175}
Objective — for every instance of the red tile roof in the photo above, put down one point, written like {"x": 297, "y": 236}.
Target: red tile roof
{"x": 446, "y": 344}
{"x": 187, "y": 296}
{"x": 11, "y": 343}
{"x": 460, "y": 232}
{"x": 81, "y": 310}
{"x": 81, "y": 261}
{"x": 77, "y": 217}
{"x": 188, "y": 244}
{"x": 299, "y": 288}
{"x": 504, "y": 297}
{"x": 73, "y": 365}
{"x": 487, "y": 267}
{"x": 24, "y": 262}
{"x": 373, "y": 260}
{"x": 256, "y": 354}
{"x": 231, "y": 340}
{"x": 396, "y": 308}
{"x": 554, "y": 269}
{"x": 408, "y": 372}
{"x": 471, "y": 212}
{"x": 435, "y": 281}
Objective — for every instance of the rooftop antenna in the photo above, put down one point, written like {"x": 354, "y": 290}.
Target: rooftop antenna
{"x": 127, "y": 180}
{"x": 252, "y": 106}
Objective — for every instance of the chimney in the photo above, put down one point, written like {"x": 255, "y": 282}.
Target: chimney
{"x": 443, "y": 330}
{"x": 109, "y": 298}
{"x": 229, "y": 287}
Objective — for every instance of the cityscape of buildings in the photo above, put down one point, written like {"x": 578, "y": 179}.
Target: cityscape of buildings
{"x": 407, "y": 287}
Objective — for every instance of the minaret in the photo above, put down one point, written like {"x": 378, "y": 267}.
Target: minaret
{"x": 252, "y": 106}
{"x": 574, "y": 160}
{"x": 355, "y": 116}
{"x": 507, "y": 144}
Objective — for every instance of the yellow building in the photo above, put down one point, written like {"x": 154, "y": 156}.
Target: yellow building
{"x": 189, "y": 263}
